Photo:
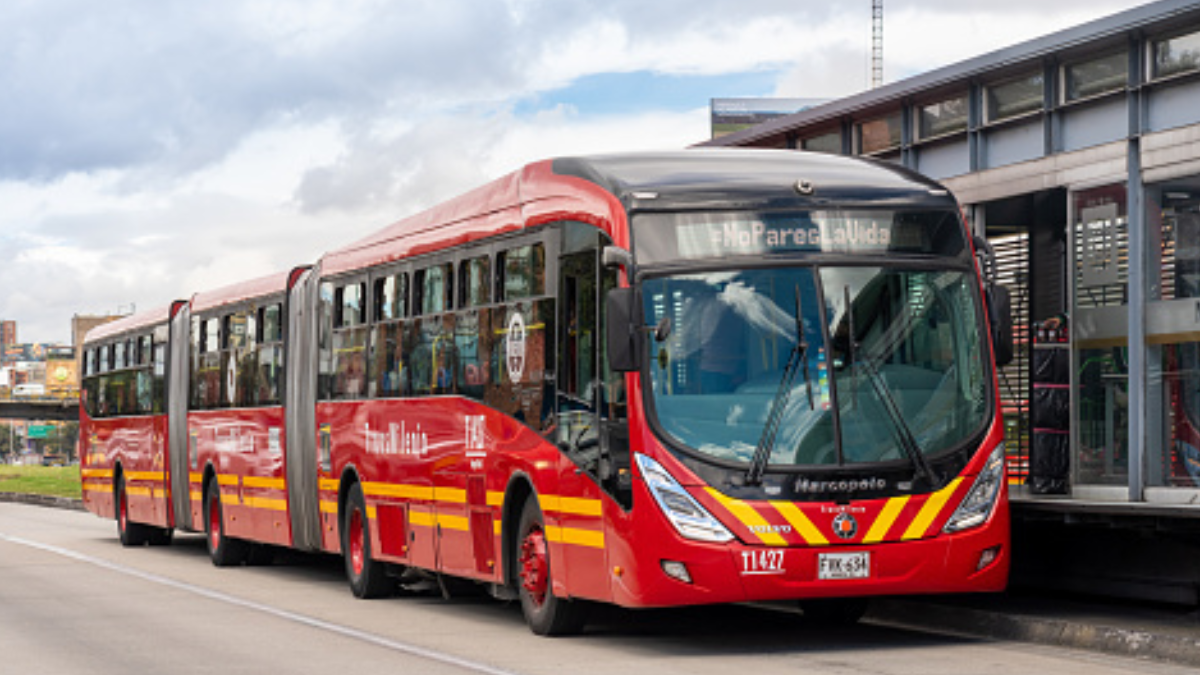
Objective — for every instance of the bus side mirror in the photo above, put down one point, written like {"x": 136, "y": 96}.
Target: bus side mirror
{"x": 1000, "y": 316}
{"x": 621, "y": 333}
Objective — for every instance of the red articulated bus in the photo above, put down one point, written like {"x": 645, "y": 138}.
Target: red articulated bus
{"x": 645, "y": 379}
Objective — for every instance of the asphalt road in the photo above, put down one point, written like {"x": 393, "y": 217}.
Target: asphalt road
{"x": 72, "y": 600}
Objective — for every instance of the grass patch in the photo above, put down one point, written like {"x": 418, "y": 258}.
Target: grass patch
{"x": 55, "y": 481}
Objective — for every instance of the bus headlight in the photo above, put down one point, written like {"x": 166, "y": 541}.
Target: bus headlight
{"x": 687, "y": 515}
{"x": 977, "y": 506}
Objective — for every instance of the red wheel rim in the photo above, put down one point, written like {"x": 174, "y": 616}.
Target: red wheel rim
{"x": 358, "y": 554}
{"x": 535, "y": 577}
{"x": 214, "y": 524}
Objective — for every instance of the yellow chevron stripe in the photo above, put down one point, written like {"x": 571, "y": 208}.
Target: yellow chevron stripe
{"x": 887, "y": 518}
{"x": 929, "y": 512}
{"x": 264, "y": 483}
{"x": 575, "y": 536}
{"x": 801, "y": 523}
{"x": 749, "y": 517}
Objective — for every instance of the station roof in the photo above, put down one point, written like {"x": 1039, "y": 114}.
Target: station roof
{"x": 1154, "y": 16}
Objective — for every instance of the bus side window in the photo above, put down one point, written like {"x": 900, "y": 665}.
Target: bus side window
{"x": 350, "y": 342}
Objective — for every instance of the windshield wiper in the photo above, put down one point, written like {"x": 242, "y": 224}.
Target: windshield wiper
{"x": 797, "y": 359}
{"x": 908, "y": 442}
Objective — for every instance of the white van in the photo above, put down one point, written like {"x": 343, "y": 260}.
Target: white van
{"x": 29, "y": 390}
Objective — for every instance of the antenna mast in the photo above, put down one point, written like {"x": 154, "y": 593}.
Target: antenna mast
{"x": 876, "y": 43}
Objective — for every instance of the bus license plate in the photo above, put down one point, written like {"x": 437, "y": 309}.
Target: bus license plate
{"x": 844, "y": 565}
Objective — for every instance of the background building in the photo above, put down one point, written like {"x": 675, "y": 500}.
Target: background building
{"x": 8, "y": 333}
{"x": 1078, "y": 156}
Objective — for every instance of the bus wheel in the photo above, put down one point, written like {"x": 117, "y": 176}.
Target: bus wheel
{"x": 130, "y": 533}
{"x": 545, "y": 613}
{"x": 368, "y": 578}
{"x": 224, "y": 551}
{"x": 834, "y": 611}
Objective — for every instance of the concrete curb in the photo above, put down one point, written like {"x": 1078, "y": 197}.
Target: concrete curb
{"x": 42, "y": 500}
{"x": 1073, "y": 634}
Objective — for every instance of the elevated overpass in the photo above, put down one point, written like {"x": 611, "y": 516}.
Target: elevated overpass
{"x": 40, "y": 408}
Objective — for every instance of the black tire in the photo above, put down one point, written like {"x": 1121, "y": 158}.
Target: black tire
{"x": 834, "y": 611}
{"x": 545, "y": 613}
{"x": 129, "y": 532}
{"x": 368, "y": 577}
{"x": 225, "y": 551}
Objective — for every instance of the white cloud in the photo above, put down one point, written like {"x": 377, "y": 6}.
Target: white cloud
{"x": 156, "y": 149}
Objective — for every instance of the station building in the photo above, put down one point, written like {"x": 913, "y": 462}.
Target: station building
{"x": 1078, "y": 156}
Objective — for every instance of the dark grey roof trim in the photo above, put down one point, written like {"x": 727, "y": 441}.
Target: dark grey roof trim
{"x": 1150, "y": 16}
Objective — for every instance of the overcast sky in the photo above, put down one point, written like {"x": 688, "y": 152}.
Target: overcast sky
{"x": 152, "y": 149}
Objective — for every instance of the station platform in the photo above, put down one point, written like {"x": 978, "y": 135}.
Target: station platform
{"x": 1167, "y": 633}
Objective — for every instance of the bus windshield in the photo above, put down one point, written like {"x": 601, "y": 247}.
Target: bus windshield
{"x": 887, "y": 363}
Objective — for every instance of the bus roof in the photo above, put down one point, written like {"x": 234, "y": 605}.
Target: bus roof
{"x": 133, "y": 322}
{"x": 749, "y": 178}
{"x": 601, "y": 189}
{"x": 255, "y": 288}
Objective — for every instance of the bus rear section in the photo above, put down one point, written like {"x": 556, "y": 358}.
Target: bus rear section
{"x": 123, "y": 427}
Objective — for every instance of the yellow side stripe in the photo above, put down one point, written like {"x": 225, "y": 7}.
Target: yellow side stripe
{"x": 227, "y": 481}
{"x": 749, "y": 517}
{"x": 149, "y": 476}
{"x": 264, "y": 483}
{"x": 139, "y": 491}
{"x": 572, "y": 505}
{"x": 196, "y": 495}
{"x": 327, "y": 485}
{"x": 418, "y": 492}
{"x": 497, "y": 526}
{"x": 887, "y": 518}
{"x": 372, "y": 512}
{"x": 449, "y": 495}
{"x": 571, "y": 535}
{"x": 454, "y": 522}
{"x": 96, "y": 488}
{"x": 495, "y": 498}
{"x": 801, "y": 523}
{"x": 195, "y": 477}
{"x": 96, "y": 473}
{"x": 265, "y": 503}
{"x": 422, "y": 518}
{"x": 930, "y": 511}
{"x": 328, "y": 506}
